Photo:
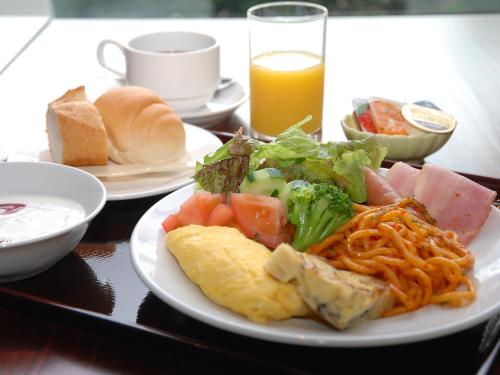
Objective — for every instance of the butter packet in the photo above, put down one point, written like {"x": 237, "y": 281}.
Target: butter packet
{"x": 428, "y": 117}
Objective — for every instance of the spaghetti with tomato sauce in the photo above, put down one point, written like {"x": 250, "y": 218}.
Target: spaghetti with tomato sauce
{"x": 421, "y": 264}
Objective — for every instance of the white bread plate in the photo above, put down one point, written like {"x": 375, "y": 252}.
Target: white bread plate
{"x": 155, "y": 150}
{"x": 35, "y": 254}
{"x": 401, "y": 147}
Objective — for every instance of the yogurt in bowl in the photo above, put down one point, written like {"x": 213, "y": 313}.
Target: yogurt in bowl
{"x": 37, "y": 216}
{"x": 45, "y": 209}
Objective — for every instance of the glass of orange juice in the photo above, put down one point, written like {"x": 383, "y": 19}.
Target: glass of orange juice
{"x": 287, "y": 66}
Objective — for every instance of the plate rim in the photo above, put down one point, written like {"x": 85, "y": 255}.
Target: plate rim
{"x": 187, "y": 116}
{"x": 26, "y": 155}
{"x": 138, "y": 195}
{"x": 341, "y": 339}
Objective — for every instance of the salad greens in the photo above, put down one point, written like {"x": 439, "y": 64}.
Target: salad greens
{"x": 297, "y": 156}
{"x": 222, "y": 176}
{"x": 317, "y": 210}
{"x": 293, "y": 144}
{"x": 224, "y": 170}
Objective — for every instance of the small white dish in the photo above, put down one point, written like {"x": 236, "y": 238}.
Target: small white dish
{"x": 400, "y": 147}
{"x": 51, "y": 182}
{"x": 224, "y": 102}
{"x": 160, "y": 271}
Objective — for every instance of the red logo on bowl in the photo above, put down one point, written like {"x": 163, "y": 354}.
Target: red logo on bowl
{"x": 10, "y": 208}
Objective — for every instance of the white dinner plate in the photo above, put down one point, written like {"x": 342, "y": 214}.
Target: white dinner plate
{"x": 199, "y": 142}
{"x": 225, "y": 102}
{"x": 161, "y": 273}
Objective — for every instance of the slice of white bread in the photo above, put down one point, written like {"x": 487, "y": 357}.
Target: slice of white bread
{"x": 75, "y": 130}
{"x": 141, "y": 126}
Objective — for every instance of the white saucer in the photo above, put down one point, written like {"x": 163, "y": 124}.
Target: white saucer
{"x": 225, "y": 102}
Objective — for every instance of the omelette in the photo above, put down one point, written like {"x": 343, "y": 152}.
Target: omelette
{"x": 229, "y": 269}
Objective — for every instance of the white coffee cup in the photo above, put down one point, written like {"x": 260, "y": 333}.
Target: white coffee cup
{"x": 182, "y": 67}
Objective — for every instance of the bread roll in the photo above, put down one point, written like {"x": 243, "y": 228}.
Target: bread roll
{"x": 75, "y": 130}
{"x": 141, "y": 127}
{"x": 72, "y": 95}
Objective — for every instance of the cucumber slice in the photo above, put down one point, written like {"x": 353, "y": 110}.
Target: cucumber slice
{"x": 267, "y": 181}
{"x": 295, "y": 184}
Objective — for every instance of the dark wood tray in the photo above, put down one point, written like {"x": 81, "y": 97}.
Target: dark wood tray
{"x": 96, "y": 287}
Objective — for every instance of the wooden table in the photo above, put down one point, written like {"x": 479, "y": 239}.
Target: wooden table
{"x": 451, "y": 60}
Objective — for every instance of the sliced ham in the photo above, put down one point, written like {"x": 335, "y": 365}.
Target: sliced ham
{"x": 456, "y": 202}
{"x": 379, "y": 191}
{"x": 403, "y": 178}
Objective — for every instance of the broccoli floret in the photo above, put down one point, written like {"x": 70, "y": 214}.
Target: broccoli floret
{"x": 317, "y": 210}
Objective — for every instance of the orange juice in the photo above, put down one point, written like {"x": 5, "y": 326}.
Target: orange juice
{"x": 285, "y": 87}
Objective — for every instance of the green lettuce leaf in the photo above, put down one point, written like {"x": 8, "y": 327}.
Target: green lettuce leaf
{"x": 350, "y": 170}
{"x": 293, "y": 143}
{"x": 238, "y": 146}
{"x": 375, "y": 151}
{"x": 308, "y": 169}
{"x": 221, "y": 153}
{"x": 224, "y": 175}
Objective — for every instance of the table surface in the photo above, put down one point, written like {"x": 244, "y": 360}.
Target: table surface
{"x": 453, "y": 61}
{"x": 21, "y": 30}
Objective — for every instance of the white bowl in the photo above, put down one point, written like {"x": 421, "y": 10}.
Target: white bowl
{"x": 401, "y": 147}
{"x": 25, "y": 258}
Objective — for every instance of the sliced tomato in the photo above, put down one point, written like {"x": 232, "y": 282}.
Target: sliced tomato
{"x": 197, "y": 209}
{"x": 260, "y": 217}
{"x": 171, "y": 222}
{"x": 221, "y": 215}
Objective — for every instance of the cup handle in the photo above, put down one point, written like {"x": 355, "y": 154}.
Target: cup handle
{"x": 100, "y": 55}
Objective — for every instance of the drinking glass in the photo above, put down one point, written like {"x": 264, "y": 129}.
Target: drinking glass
{"x": 287, "y": 66}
